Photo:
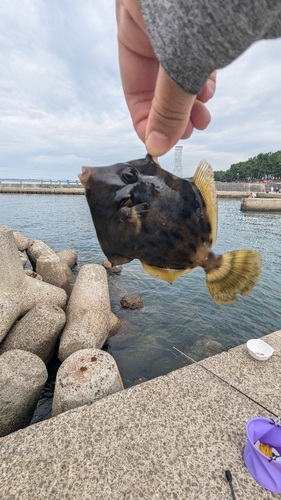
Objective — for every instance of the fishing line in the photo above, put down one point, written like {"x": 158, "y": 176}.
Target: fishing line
{"x": 230, "y": 385}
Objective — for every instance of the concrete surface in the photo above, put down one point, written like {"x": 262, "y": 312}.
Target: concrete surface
{"x": 22, "y": 378}
{"x": 269, "y": 195}
{"x": 84, "y": 377}
{"x": 170, "y": 438}
{"x": 233, "y": 194}
{"x": 261, "y": 204}
{"x": 42, "y": 189}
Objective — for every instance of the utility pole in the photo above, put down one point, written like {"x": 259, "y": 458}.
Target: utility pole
{"x": 178, "y": 161}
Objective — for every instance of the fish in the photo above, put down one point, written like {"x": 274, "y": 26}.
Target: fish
{"x": 141, "y": 211}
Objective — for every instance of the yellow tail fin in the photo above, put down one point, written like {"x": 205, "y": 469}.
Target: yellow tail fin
{"x": 238, "y": 274}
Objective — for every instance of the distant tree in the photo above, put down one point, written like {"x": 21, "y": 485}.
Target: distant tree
{"x": 263, "y": 166}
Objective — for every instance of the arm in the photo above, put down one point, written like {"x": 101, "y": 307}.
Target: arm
{"x": 191, "y": 38}
{"x": 162, "y": 97}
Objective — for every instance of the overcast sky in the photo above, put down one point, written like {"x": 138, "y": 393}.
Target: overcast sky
{"x": 62, "y": 106}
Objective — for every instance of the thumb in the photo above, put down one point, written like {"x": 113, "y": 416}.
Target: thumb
{"x": 169, "y": 115}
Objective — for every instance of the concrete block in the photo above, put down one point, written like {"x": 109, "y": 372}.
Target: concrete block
{"x": 84, "y": 377}
{"x": 36, "y": 332}
{"x": 35, "y": 249}
{"x": 21, "y": 241}
{"x": 19, "y": 292}
{"x": 53, "y": 271}
{"x": 89, "y": 319}
{"x": 68, "y": 256}
{"x": 23, "y": 258}
{"x": 22, "y": 378}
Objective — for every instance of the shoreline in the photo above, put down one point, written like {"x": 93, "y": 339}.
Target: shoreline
{"x": 79, "y": 190}
{"x": 41, "y": 189}
{"x": 173, "y": 436}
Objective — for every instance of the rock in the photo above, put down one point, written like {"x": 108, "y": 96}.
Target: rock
{"x": 131, "y": 301}
{"x": 36, "y": 332}
{"x": 22, "y": 378}
{"x": 89, "y": 319}
{"x": 106, "y": 264}
{"x": 18, "y": 292}
{"x": 112, "y": 269}
{"x": 23, "y": 258}
{"x": 204, "y": 348}
{"x": 21, "y": 241}
{"x": 68, "y": 256}
{"x": 84, "y": 377}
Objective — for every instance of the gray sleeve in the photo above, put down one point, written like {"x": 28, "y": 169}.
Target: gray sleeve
{"x": 192, "y": 38}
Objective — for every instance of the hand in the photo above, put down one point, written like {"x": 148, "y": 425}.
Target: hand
{"x": 162, "y": 113}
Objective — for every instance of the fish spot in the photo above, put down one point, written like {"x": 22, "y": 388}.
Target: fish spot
{"x": 94, "y": 358}
{"x": 83, "y": 368}
{"x": 136, "y": 220}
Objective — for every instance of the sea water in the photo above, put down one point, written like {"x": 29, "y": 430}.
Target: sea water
{"x": 173, "y": 315}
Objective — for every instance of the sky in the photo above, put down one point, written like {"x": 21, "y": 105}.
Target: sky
{"x": 62, "y": 104}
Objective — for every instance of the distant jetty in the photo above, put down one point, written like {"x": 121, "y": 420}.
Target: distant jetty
{"x": 22, "y": 188}
{"x": 270, "y": 202}
{"x": 78, "y": 189}
{"x": 263, "y": 201}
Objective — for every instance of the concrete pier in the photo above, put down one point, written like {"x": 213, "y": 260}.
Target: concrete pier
{"x": 276, "y": 196}
{"x": 42, "y": 188}
{"x": 261, "y": 204}
{"x": 78, "y": 189}
{"x": 170, "y": 438}
{"x": 233, "y": 194}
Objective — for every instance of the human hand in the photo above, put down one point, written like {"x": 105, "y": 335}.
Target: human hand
{"x": 162, "y": 113}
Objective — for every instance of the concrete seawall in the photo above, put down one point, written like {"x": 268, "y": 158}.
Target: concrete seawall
{"x": 232, "y": 194}
{"x": 42, "y": 189}
{"x": 276, "y": 196}
{"x": 261, "y": 204}
{"x": 78, "y": 189}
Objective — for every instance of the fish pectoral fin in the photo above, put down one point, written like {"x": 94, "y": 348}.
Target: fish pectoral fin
{"x": 141, "y": 209}
{"x": 169, "y": 275}
{"x": 238, "y": 274}
{"x": 205, "y": 183}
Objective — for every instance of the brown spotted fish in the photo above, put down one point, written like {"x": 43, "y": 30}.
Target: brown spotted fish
{"x": 141, "y": 211}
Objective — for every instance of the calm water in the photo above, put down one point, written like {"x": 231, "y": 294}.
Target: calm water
{"x": 178, "y": 315}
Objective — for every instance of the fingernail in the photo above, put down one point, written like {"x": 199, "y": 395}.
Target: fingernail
{"x": 157, "y": 143}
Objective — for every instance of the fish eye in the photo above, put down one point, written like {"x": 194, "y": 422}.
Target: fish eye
{"x": 130, "y": 175}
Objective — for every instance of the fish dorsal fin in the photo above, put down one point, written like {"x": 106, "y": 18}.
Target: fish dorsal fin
{"x": 205, "y": 183}
{"x": 169, "y": 275}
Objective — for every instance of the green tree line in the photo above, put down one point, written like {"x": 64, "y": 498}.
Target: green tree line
{"x": 263, "y": 166}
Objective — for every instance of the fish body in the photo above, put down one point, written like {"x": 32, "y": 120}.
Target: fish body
{"x": 141, "y": 211}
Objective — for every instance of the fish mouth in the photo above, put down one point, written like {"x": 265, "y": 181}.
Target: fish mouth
{"x": 126, "y": 202}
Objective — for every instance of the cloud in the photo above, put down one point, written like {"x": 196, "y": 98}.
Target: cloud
{"x": 62, "y": 105}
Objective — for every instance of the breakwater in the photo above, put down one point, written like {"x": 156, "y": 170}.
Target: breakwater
{"x": 34, "y": 301}
{"x": 224, "y": 190}
{"x": 42, "y": 188}
{"x": 261, "y": 204}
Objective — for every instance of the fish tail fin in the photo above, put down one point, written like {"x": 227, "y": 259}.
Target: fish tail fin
{"x": 238, "y": 274}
